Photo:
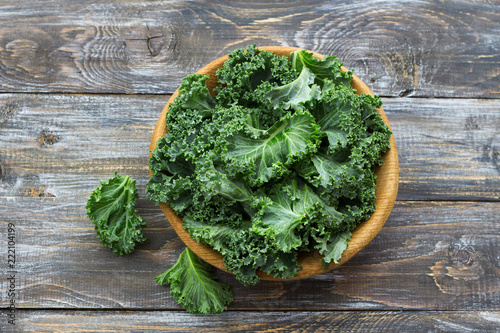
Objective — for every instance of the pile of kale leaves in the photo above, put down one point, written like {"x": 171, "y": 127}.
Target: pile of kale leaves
{"x": 278, "y": 159}
{"x": 281, "y": 160}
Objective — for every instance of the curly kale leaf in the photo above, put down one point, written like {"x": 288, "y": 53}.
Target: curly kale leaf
{"x": 290, "y": 95}
{"x": 295, "y": 208}
{"x": 192, "y": 285}
{"x": 193, "y": 95}
{"x": 111, "y": 207}
{"x": 327, "y": 68}
{"x": 333, "y": 248}
{"x": 245, "y": 70}
{"x": 269, "y": 154}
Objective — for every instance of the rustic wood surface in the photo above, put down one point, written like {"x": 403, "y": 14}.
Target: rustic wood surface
{"x": 418, "y": 48}
{"x": 82, "y": 84}
{"x": 303, "y": 321}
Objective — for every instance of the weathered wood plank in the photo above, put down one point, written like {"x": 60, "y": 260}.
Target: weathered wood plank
{"x": 449, "y": 149}
{"x": 430, "y": 48}
{"x": 429, "y": 255}
{"x": 346, "y": 321}
{"x": 53, "y": 135}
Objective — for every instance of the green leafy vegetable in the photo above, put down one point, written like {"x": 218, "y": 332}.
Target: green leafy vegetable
{"x": 111, "y": 207}
{"x": 192, "y": 285}
{"x": 280, "y": 161}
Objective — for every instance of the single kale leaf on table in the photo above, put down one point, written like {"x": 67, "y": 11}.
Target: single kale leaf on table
{"x": 192, "y": 285}
{"x": 279, "y": 160}
{"x": 111, "y": 207}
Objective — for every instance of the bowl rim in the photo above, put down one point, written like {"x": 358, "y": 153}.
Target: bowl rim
{"x": 385, "y": 191}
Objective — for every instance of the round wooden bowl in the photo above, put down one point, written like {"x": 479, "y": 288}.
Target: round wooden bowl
{"x": 386, "y": 189}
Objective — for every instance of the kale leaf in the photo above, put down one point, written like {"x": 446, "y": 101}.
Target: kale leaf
{"x": 281, "y": 160}
{"x": 192, "y": 285}
{"x": 111, "y": 207}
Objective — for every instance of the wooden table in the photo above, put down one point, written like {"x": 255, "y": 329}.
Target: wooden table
{"x": 82, "y": 84}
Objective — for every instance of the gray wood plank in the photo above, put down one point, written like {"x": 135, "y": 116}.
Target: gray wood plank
{"x": 429, "y": 255}
{"x": 400, "y": 48}
{"x": 62, "y": 144}
{"x": 272, "y": 321}
{"x": 448, "y": 149}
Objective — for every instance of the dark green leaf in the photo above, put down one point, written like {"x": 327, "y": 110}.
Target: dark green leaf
{"x": 111, "y": 207}
{"x": 192, "y": 285}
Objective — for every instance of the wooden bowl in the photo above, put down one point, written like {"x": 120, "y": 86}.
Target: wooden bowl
{"x": 386, "y": 189}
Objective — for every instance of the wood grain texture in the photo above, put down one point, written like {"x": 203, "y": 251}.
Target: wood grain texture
{"x": 449, "y": 149}
{"x": 434, "y": 266}
{"x": 346, "y": 321}
{"x": 54, "y": 148}
{"x": 428, "y": 256}
{"x": 400, "y": 48}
